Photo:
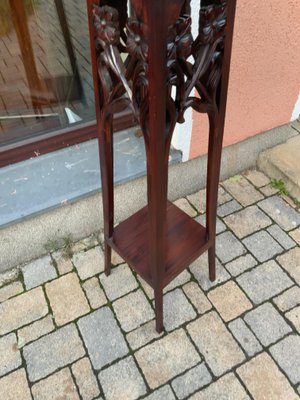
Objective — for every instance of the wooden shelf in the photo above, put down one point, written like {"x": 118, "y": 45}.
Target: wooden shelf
{"x": 186, "y": 240}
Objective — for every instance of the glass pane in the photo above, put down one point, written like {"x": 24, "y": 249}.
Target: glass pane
{"x": 45, "y": 70}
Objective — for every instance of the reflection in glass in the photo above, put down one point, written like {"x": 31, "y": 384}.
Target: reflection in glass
{"x": 45, "y": 72}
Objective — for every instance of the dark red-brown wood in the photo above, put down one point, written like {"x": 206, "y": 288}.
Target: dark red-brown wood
{"x": 159, "y": 241}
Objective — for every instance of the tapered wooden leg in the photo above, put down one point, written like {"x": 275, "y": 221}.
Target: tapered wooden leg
{"x": 212, "y": 263}
{"x": 158, "y": 298}
{"x": 213, "y": 172}
{"x": 106, "y": 160}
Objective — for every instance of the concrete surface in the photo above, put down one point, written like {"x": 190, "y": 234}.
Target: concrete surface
{"x": 282, "y": 162}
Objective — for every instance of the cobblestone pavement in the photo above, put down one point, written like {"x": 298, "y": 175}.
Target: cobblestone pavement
{"x": 69, "y": 332}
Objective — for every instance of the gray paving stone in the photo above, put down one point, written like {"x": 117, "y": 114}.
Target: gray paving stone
{"x": 22, "y": 310}
{"x": 267, "y": 324}
{"x": 197, "y": 297}
{"x": 290, "y": 261}
{"x": 133, "y": 310}
{"x": 89, "y": 263}
{"x": 15, "y": 386}
{"x": 164, "y": 393}
{"x": 164, "y": 359}
{"x": 281, "y": 237}
{"x": 180, "y": 280}
{"x": 56, "y": 387}
{"x": 142, "y": 335}
{"x": 242, "y": 190}
{"x": 241, "y": 264}
{"x": 265, "y": 281}
{"x": 228, "y": 208}
{"x": 192, "y": 380}
{"x": 38, "y": 272}
{"x": 10, "y": 357}
{"x": 226, "y": 388}
{"x": 177, "y": 310}
{"x": 228, "y": 247}
{"x": 122, "y": 381}
{"x": 53, "y": 351}
{"x": 282, "y": 213}
{"x": 11, "y": 290}
{"x": 257, "y": 178}
{"x": 102, "y": 337}
{"x": 220, "y": 350}
{"x": 262, "y": 246}
{"x": 247, "y": 221}
{"x": 245, "y": 337}
{"x": 287, "y": 355}
{"x": 199, "y": 269}
{"x": 119, "y": 282}
{"x": 288, "y": 299}
{"x": 85, "y": 379}
{"x": 221, "y": 227}
{"x": 264, "y": 380}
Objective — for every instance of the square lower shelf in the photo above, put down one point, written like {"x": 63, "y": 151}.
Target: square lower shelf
{"x": 186, "y": 241}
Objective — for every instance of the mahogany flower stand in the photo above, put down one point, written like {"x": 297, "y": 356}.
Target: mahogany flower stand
{"x": 145, "y": 57}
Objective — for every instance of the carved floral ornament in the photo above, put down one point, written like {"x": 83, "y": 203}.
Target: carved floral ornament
{"x": 203, "y": 74}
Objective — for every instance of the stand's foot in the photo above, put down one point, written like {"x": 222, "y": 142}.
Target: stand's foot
{"x": 212, "y": 263}
{"x": 159, "y": 323}
{"x": 107, "y": 254}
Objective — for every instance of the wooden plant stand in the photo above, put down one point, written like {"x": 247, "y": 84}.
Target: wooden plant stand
{"x": 151, "y": 63}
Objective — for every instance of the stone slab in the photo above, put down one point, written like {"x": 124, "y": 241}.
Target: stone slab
{"x": 265, "y": 281}
{"x": 10, "y": 357}
{"x": 164, "y": 393}
{"x": 294, "y": 317}
{"x": 177, "y": 310}
{"x": 34, "y": 331}
{"x": 267, "y": 324}
{"x": 228, "y": 388}
{"x": 164, "y": 359}
{"x": 89, "y": 263}
{"x": 290, "y": 261}
{"x": 197, "y": 297}
{"x": 121, "y": 281}
{"x": 102, "y": 337}
{"x": 122, "y": 381}
{"x": 247, "y": 221}
{"x": 214, "y": 341}
{"x": 133, "y": 310}
{"x": 288, "y": 299}
{"x": 229, "y": 301}
{"x": 287, "y": 355}
{"x": 242, "y": 190}
{"x": 85, "y": 379}
{"x": 228, "y": 247}
{"x": 245, "y": 337}
{"x": 142, "y": 335}
{"x": 282, "y": 238}
{"x": 56, "y": 387}
{"x": 191, "y": 381}
{"x": 15, "y": 386}
{"x": 241, "y": 264}
{"x": 38, "y": 272}
{"x": 264, "y": 380}
{"x": 53, "y": 351}
{"x": 281, "y": 212}
{"x": 8, "y": 291}
{"x": 94, "y": 293}
{"x": 67, "y": 299}
{"x": 262, "y": 246}
{"x": 22, "y": 310}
